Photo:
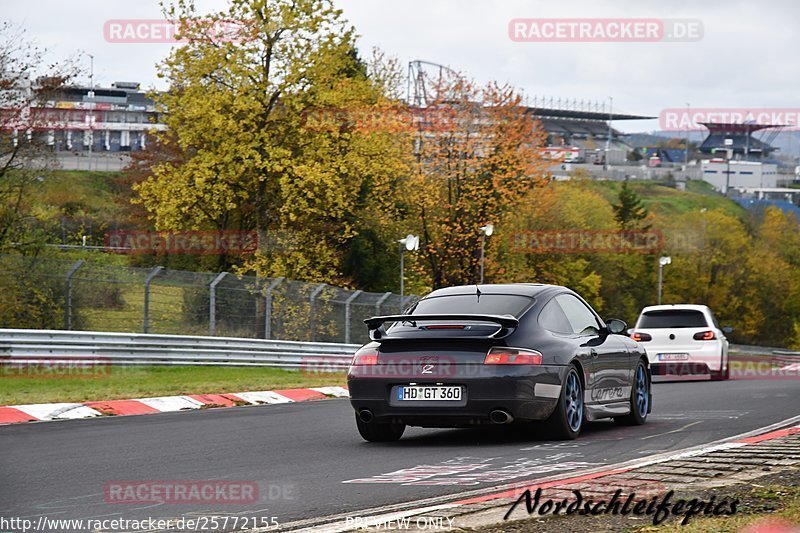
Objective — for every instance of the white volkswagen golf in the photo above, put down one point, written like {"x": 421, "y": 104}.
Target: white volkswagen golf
{"x": 683, "y": 339}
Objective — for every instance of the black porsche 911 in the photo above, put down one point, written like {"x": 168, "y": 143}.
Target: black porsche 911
{"x": 497, "y": 354}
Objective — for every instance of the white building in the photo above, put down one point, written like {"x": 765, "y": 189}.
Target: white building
{"x": 724, "y": 174}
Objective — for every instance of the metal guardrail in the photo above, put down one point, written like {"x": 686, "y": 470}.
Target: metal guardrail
{"x": 21, "y": 346}
{"x": 27, "y": 346}
{"x": 743, "y": 349}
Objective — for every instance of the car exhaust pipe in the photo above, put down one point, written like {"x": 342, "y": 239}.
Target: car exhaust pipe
{"x": 366, "y": 416}
{"x": 498, "y": 416}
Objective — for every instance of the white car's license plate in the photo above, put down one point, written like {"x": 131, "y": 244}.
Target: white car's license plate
{"x": 673, "y": 357}
{"x": 420, "y": 393}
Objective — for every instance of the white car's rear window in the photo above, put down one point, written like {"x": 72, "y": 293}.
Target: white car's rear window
{"x": 673, "y": 318}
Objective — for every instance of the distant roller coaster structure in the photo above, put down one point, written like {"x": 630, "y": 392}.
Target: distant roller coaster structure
{"x": 428, "y": 81}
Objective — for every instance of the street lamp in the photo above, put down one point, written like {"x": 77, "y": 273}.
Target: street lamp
{"x": 662, "y": 262}
{"x": 486, "y": 231}
{"x": 410, "y": 243}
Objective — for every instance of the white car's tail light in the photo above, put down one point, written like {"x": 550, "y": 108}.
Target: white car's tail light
{"x": 641, "y": 337}
{"x": 705, "y": 336}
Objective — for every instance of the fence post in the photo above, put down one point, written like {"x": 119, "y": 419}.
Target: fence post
{"x": 311, "y": 318}
{"x": 347, "y": 315}
{"x": 212, "y": 303}
{"x": 380, "y": 302}
{"x": 153, "y": 273}
{"x": 268, "y": 306}
{"x": 68, "y": 295}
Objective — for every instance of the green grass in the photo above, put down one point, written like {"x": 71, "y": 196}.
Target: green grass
{"x": 166, "y": 312}
{"x": 664, "y": 200}
{"x": 137, "y": 382}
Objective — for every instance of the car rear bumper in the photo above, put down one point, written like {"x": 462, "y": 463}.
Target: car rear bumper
{"x": 698, "y": 361}
{"x": 526, "y": 393}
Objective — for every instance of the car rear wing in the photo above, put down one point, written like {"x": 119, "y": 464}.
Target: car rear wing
{"x": 377, "y": 331}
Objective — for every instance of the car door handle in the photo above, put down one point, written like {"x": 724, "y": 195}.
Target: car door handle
{"x": 593, "y": 352}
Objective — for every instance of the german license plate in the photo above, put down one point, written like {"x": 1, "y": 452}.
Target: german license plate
{"x": 673, "y": 357}
{"x": 429, "y": 394}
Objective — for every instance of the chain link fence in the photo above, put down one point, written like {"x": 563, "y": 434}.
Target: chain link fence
{"x": 48, "y": 293}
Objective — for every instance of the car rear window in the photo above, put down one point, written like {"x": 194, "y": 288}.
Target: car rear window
{"x": 674, "y": 318}
{"x": 487, "y": 304}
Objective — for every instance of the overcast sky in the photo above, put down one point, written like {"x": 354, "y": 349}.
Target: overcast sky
{"x": 747, "y": 56}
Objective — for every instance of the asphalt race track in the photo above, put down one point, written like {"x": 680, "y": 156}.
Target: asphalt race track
{"x": 300, "y": 454}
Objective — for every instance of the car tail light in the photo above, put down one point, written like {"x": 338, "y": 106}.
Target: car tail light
{"x": 444, "y": 326}
{"x": 366, "y": 357}
{"x": 512, "y": 356}
{"x": 641, "y": 337}
{"x": 705, "y": 336}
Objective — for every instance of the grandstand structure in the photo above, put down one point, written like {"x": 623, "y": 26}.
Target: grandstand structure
{"x": 585, "y": 128}
{"x": 738, "y": 137}
{"x": 578, "y": 131}
{"x": 735, "y": 160}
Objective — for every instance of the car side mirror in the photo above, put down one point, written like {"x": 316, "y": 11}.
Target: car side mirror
{"x": 727, "y": 330}
{"x": 616, "y": 326}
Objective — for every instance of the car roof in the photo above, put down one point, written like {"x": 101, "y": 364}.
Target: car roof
{"x": 676, "y": 307}
{"x": 523, "y": 289}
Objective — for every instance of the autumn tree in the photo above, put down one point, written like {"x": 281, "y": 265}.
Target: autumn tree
{"x": 558, "y": 207}
{"x": 27, "y": 81}
{"x": 477, "y": 158}
{"x": 261, "y": 115}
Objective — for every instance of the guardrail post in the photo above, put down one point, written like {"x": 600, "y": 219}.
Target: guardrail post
{"x": 311, "y": 318}
{"x": 68, "y": 294}
{"x": 268, "y": 306}
{"x": 347, "y": 315}
{"x": 212, "y": 303}
{"x": 153, "y": 273}
{"x": 380, "y": 302}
